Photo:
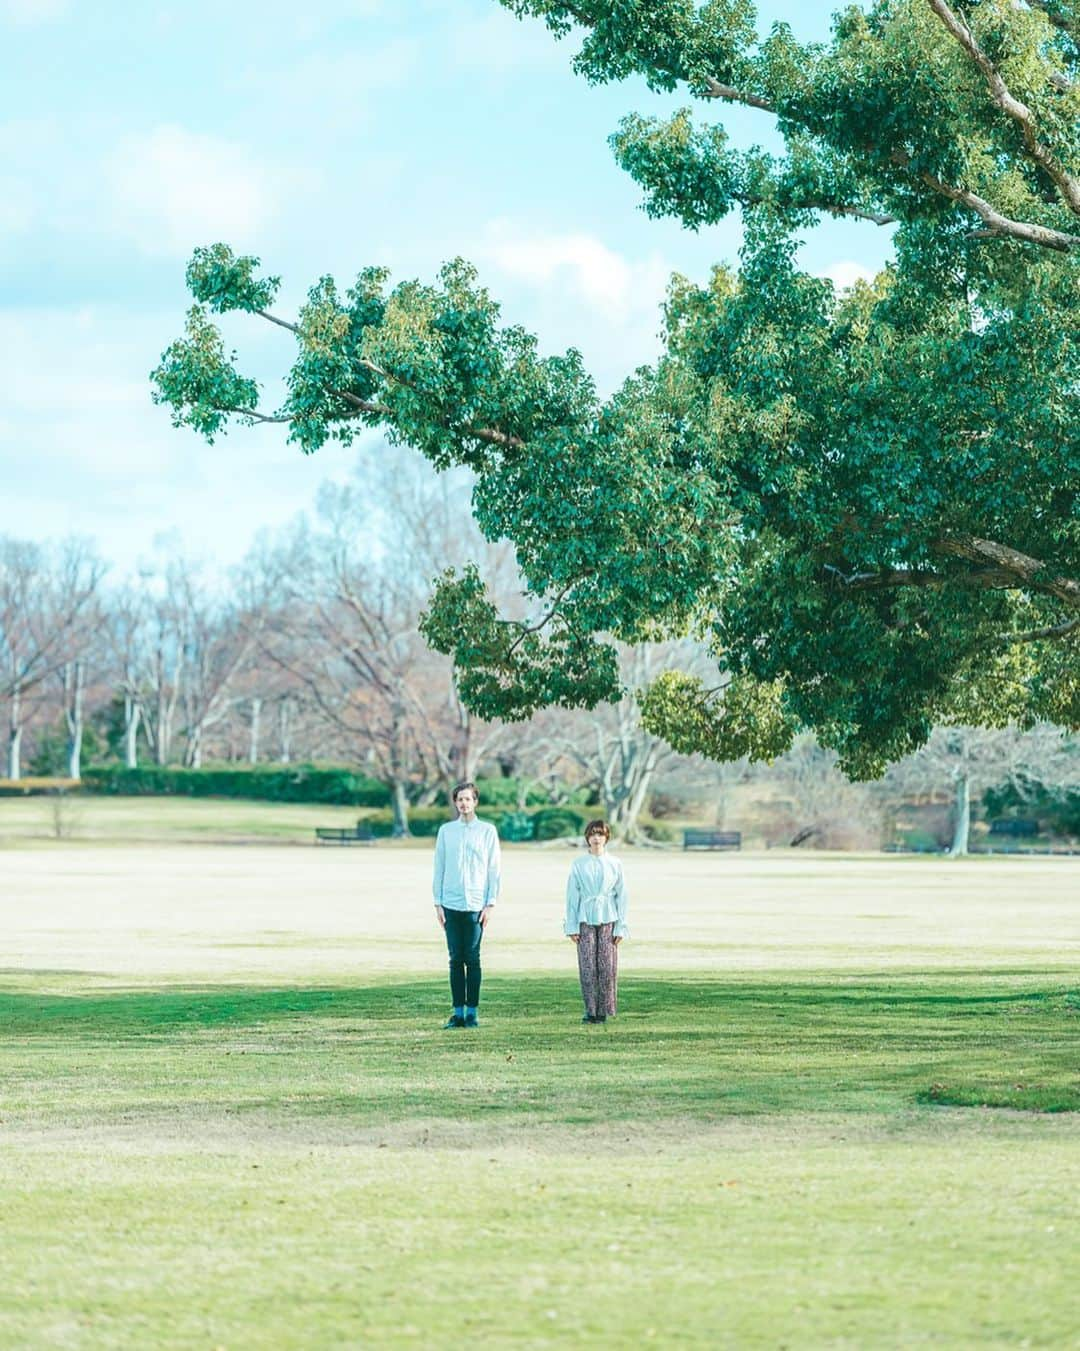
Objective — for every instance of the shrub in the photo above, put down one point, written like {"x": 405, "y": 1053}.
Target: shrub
{"x": 270, "y": 783}
{"x": 557, "y": 823}
{"x": 1058, "y": 809}
{"x": 516, "y": 827}
{"x": 424, "y": 822}
{"x": 505, "y": 793}
{"x": 50, "y": 757}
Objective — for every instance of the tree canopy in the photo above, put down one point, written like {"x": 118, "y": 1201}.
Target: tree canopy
{"x": 865, "y": 502}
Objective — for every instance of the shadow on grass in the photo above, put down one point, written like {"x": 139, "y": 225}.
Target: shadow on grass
{"x": 693, "y": 1047}
{"x": 689, "y": 1003}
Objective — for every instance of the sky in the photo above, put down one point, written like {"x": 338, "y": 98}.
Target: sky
{"x": 323, "y": 138}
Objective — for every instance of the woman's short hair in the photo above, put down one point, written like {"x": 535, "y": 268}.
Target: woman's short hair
{"x": 598, "y": 825}
{"x": 461, "y": 787}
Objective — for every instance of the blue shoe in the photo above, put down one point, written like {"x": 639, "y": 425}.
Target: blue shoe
{"x": 470, "y": 1020}
{"x": 455, "y": 1020}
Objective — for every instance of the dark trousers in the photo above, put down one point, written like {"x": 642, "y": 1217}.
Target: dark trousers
{"x": 463, "y": 934}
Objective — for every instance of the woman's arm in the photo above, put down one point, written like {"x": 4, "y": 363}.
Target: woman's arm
{"x": 621, "y": 899}
{"x": 573, "y": 903}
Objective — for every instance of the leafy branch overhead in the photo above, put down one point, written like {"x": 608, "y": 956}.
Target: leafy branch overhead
{"x": 867, "y": 503}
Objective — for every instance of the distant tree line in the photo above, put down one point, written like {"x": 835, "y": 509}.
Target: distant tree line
{"x": 310, "y": 652}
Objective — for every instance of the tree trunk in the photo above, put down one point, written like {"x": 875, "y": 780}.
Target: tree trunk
{"x": 193, "y": 750}
{"x": 131, "y": 732}
{"x": 162, "y": 732}
{"x": 400, "y": 803}
{"x": 635, "y": 804}
{"x": 74, "y": 683}
{"x": 284, "y": 722}
{"x": 962, "y": 817}
{"x": 14, "y": 734}
{"x": 253, "y": 747}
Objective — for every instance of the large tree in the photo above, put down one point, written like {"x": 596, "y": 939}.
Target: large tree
{"x": 866, "y": 502}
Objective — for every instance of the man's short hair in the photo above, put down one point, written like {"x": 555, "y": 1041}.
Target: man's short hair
{"x": 461, "y": 787}
{"x": 598, "y": 825}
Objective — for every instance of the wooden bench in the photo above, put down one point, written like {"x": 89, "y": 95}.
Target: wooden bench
{"x": 358, "y": 834}
{"x": 712, "y": 839}
{"x": 1017, "y": 826}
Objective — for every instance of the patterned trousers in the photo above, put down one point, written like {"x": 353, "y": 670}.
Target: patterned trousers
{"x": 598, "y": 966}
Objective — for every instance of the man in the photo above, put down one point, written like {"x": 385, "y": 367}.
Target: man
{"x": 466, "y": 886}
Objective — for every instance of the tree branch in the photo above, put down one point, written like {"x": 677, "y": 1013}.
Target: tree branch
{"x": 996, "y": 223}
{"x": 816, "y": 204}
{"x": 1067, "y": 185}
{"x": 281, "y": 323}
{"x": 1024, "y": 569}
{"x": 489, "y": 435}
{"x": 986, "y": 579}
{"x": 526, "y": 629}
{"x": 715, "y": 90}
{"x": 1067, "y": 626}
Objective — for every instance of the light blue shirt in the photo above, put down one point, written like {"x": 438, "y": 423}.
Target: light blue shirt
{"x": 596, "y": 894}
{"x": 466, "y": 865}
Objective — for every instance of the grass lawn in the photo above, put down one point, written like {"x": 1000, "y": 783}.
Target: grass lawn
{"x": 840, "y": 1106}
{"x": 43, "y": 821}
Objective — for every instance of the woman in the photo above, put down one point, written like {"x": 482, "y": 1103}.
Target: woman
{"x": 596, "y": 922}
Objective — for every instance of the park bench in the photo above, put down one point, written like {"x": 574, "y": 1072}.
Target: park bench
{"x": 361, "y": 833}
{"x": 712, "y": 839}
{"x": 1015, "y": 826}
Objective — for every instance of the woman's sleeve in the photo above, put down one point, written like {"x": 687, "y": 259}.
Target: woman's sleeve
{"x": 573, "y": 901}
{"x": 620, "y": 930}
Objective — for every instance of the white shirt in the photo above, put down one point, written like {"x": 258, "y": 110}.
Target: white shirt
{"x": 466, "y": 865}
{"x": 596, "y": 894}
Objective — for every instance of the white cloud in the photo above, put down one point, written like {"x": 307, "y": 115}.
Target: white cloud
{"x": 846, "y": 273}
{"x": 603, "y": 278}
{"x": 173, "y": 189}
{"x": 576, "y": 291}
{"x": 32, "y": 11}
{"x": 85, "y": 451}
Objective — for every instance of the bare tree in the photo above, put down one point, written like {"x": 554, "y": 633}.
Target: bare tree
{"x": 160, "y": 660}
{"x": 128, "y": 622}
{"x": 614, "y": 753}
{"x": 424, "y": 524}
{"x": 965, "y": 761}
{"x": 218, "y": 641}
{"x": 817, "y": 805}
{"x": 47, "y": 598}
{"x": 348, "y": 640}
{"x": 343, "y": 604}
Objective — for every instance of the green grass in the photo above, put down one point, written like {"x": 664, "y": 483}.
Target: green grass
{"x": 141, "y": 820}
{"x": 852, "y": 1150}
{"x": 683, "y": 1049}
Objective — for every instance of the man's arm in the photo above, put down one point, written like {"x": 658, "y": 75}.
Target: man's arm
{"x": 494, "y": 872}
{"x": 437, "y": 877}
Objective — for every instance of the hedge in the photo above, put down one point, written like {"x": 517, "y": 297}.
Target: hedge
{"x": 1057, "y": 809}
{"x": 271, "y": 783}
{"x": 424, "y": 822}
{"x": 543, "y": 823}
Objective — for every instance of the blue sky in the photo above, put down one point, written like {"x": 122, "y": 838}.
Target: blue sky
{"x": 322, "y": 137}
